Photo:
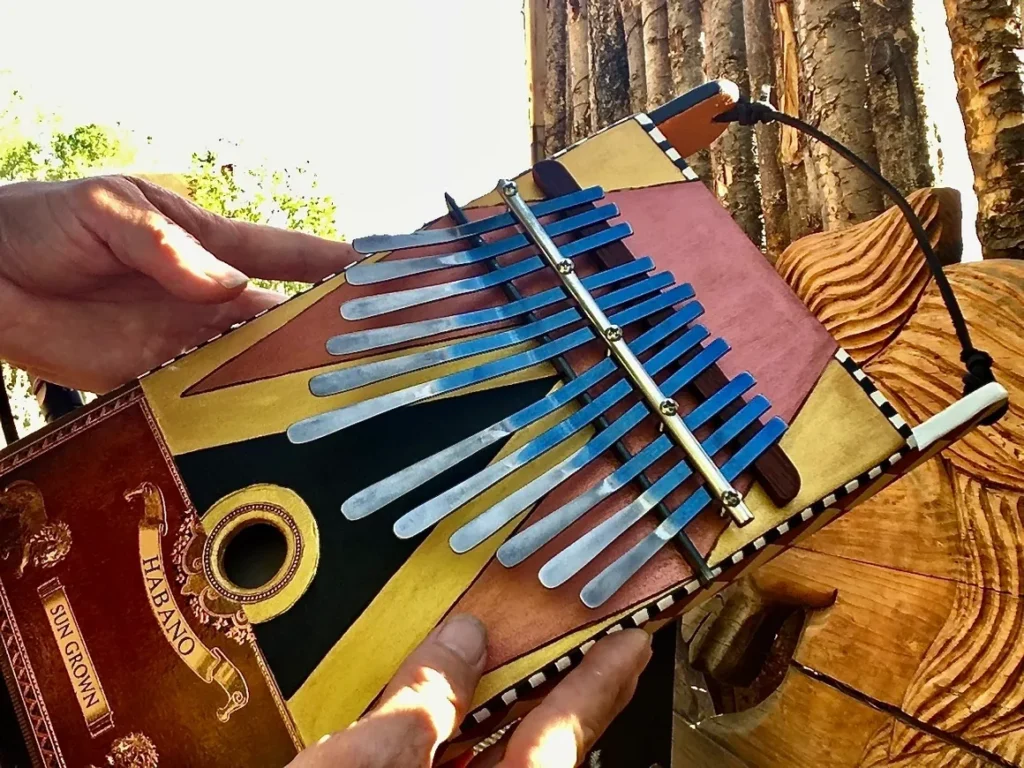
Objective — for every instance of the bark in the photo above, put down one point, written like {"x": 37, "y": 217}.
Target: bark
{"x": 609, "y": 68}
{"x": 536, "y": 65}
{"x": 686, "y": 61}
{"x": 986, "y": 37}
{"x": 733, "y": 167}
{"x": 757, "y": 22}
{"x": 633, "y": 31}
{"x": 555, "y": 114}
{"x": 654, "y": 14}
{"x": 833, "y": 65}
{"x": 897, "y": 109}
{"x": 578, "y": 85}
{"x": 804, "y": 215}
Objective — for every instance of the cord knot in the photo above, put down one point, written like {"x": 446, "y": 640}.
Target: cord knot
{"x": 979, "y": 369}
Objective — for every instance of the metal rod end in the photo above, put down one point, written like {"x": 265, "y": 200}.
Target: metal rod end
{"x": 739, "y": 512}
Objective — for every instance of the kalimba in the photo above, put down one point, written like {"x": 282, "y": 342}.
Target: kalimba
{"x": 576, "y": 404}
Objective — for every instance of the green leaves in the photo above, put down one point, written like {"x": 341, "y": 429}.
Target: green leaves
{"x": 284, "y": 198}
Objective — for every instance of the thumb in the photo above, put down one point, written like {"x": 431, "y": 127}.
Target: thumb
{"x": 421, "y": 706}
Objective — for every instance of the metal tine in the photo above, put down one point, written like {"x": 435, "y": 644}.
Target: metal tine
{"x": 321, "y": 425}
{"x": 333, "y": 382}
{"x": 611, "y": 579}
{"x": 369, "y": 273}
{"x": 574, "y": 557}
{"x": 375, "y": 338}
{"x": 383, "y": 303}
{"x": 485, "y": 525}
{"x": 430, "y": 512}
{"x": 530, "y": 540}
{"x": 378, "y": 495}
{"x": 380, "y": 243}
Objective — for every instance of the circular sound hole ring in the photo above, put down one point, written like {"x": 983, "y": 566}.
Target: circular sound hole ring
{"x": 285, "y": 512}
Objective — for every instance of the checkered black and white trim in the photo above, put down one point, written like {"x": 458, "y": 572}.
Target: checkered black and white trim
{"x": 562, "y": 664}
{"x": 663, "y": 144}
{"x": 901, "y": 426}
{"x": 651, "y": 611}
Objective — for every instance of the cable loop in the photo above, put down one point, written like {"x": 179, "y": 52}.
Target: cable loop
{"x": 978, "y": 364}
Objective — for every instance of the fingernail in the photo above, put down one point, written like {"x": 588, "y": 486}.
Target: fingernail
{"x": 228, "y": 276}
{"x": 466, "y": 637}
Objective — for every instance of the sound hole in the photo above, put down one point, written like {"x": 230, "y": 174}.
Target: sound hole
{"x": 254, "y": 555}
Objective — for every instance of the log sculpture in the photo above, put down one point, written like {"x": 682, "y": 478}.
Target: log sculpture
{"x": 919, "y": 661}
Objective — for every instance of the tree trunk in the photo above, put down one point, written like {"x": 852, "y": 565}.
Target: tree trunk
{"x": 757, "y": 22}
{"x": 554, "y": 111}
{"x": 732, "y": 157}
{"x": 686, "y": 60}
{"x": 986, "y": 37}
{"x": 537, "y": 72}
{"x": 578, "y": 85}
{"x": 833, "y": 66}
{"x": 804, "y": 215}
{"x": 609, "y": 67}
{"x": 633, "y": 30}
{"x": 897, "y": 110}
{"x": 654, "y": 14}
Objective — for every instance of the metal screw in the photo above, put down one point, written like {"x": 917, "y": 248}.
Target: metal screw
{"x": 613, "y": 333}
{"x": 669, "y": 407}
{"x": 510, "y": 188}
{"x": 731, "y": 499}
{"x": 565, "y": 267}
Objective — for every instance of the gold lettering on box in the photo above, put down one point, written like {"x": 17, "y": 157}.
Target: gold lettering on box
{"x": 77, "y": 661}
{"x": 209, "y": 664}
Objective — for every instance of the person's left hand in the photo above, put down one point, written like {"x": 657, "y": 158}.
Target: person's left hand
{"x": 432, "y": 691}
{"x": 104, "y": 278}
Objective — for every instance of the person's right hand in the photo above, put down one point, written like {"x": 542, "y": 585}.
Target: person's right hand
{"x": 433, "y": 689}
{"x": 104, "y": 278}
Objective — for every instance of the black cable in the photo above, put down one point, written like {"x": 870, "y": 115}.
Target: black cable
{"x": 978, "y": 363}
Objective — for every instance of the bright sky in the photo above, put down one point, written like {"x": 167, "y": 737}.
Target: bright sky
{"x": 392, "y": 103}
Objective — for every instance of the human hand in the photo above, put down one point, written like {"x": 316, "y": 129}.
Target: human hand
{"x": 432, "y": 691}
{"x": 102, "y": 279}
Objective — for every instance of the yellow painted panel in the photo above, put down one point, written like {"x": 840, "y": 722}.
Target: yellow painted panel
{"x": 270, "y": 406}
{"x": 623, "y": 157}
{"x": 838, "y": 434}
{"x": 412, "y": 602}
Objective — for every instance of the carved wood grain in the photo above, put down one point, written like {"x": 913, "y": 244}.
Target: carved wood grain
{"x": 862, "y": 283}
{"x": 929, "y": 618}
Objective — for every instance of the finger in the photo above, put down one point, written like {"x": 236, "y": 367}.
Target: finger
{"x": 144, "y": 239}
{"x": 563, "y": 728}
{"x": 421, "y": 706}
{"x": 259, "y": 251}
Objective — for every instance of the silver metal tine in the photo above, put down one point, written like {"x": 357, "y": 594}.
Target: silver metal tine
{"x": 368, "y": 273}
{"x": 612, "y": 578}
{"x": 321, "y": 425}
{"x": 531, "y": 539}
{"x": 346, "y": 379}
{"x": 383, "y": 303}
{"x": 376, "y": 496}
{"x": 427, "y": 514}
{"x": 574, "y": 557}
{"x": 489, "y": 522}
{"x": 380, "y": 243}
{"x": 376, "y": 338}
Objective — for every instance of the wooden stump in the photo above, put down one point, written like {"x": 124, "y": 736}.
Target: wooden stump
{"x": 920, "y": 659}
